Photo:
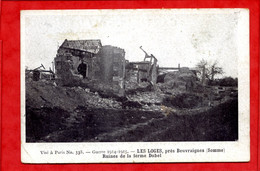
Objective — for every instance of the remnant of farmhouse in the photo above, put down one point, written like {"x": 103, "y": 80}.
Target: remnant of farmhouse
{"x": 103, "y": 64}
{"x": 104, "y": 68}
{"x": 69, "y": 57}
{"x": 146, "y": 70}
{"x": 112, "y": 63}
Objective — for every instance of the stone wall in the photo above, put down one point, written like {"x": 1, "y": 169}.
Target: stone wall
{"x": 112, "y": 67}
{"x": 107, "y": 68}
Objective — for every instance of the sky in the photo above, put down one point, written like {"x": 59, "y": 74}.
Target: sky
{"x": 173, "y": 36}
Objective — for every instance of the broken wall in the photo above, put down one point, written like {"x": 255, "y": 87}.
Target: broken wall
{"x": 106, "y": 69}
{"x": 75, "y": 56}
{"x": 112, "y": 67}
{"x": 65, "y": 71}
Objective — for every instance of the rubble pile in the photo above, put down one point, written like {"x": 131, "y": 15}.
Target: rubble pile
{"x": 180, "y": 90}
{"x": 180, "y": 81}
{"x": 183, "y": 100}
{"x": 150, "y": 100}
{"x": 152, "y": 97}
{"x": 106, "y": 90}
{"x": 131, "y": 80}
{"x": 42, "y": 94}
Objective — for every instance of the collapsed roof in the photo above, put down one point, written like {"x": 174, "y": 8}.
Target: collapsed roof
{"x": 92, "y": 46}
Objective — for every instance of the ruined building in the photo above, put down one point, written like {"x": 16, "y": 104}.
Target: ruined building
{"x": 70, "y": 54}
{"x": 104, "y": 65}
{"x": 146, "y": 70}
{"x": 88, "y": 63}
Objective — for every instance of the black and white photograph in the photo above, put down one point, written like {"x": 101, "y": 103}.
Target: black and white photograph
{"x": 112, "y": 79}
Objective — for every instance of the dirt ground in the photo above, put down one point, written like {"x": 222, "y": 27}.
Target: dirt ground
{"x": 108, "y": 125}
{"x": 75, "y": 114}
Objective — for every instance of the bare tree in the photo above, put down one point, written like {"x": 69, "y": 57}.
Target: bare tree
{"x": 215, "y": 70}
{"x": 207, "y": 72}
{"x": 203, "y": 72}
